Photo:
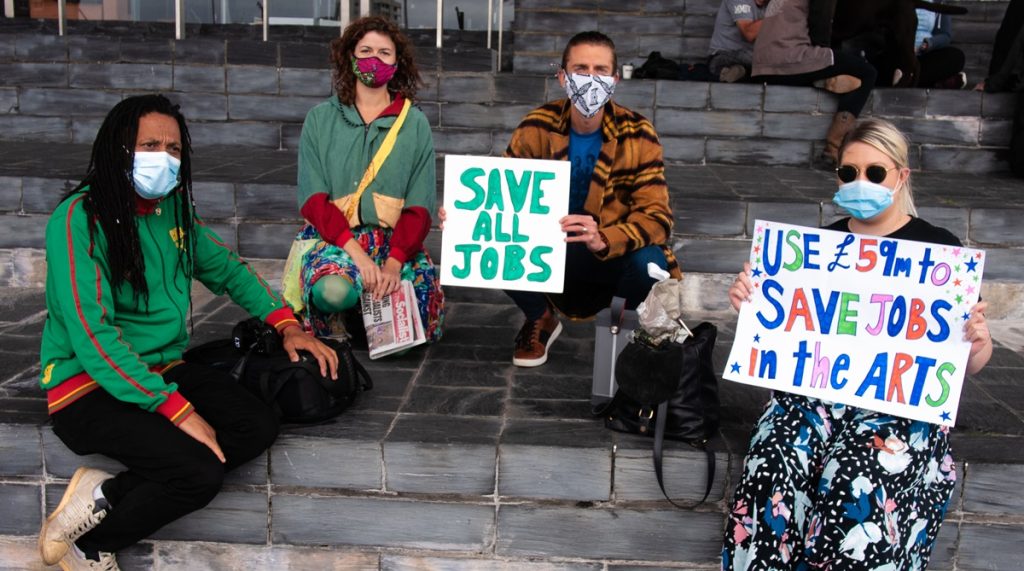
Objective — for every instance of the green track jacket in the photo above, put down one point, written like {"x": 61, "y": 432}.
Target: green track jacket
{"x": 95, "y": 336}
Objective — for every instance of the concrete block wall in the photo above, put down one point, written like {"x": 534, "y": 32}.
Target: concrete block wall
{"x": 681, "y": 30}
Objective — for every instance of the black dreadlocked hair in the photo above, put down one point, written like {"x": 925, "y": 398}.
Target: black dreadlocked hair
{"x": 110, "y": 197}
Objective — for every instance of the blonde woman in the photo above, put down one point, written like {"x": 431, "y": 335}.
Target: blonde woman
{"x": 817, "y": 491}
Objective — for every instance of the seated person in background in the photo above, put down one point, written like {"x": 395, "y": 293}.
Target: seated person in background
{"x": 732, "y": 41}
{"x": 122, "y": 250}
{"x": 941, "y": 64}
{"x": 784, "y": 55}
{"x": 619, "y": 216}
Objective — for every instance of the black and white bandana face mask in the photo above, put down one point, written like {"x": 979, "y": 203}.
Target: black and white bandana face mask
{"x": 589, "y": 93}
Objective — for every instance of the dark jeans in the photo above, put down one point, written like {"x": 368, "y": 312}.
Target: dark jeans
{"x": 845, "y": 64}
{"x": 169, "y": 473}
{"x": 936, "y": 65}
{"x": 625, "y": 276}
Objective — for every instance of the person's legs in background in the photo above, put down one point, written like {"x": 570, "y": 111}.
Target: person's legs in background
{"x": 942, "y": 68}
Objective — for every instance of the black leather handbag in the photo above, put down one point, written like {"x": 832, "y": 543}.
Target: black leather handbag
{"x": 668, "y": 391}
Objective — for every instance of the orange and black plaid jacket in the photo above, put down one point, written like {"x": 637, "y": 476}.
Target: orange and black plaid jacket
{"x": 628, "y": 193}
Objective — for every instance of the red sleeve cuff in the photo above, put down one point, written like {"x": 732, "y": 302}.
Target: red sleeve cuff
{"x": 176, "y": 408}
{"x": 327, "y": 219}
{"x": 280, "y": 319}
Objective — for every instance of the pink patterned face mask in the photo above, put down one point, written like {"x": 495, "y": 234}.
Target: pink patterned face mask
{"x": 372, "y": 72}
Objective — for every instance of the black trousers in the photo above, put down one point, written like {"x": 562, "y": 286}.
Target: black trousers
{"x": 936, "y": 65}
{"x": 169, "y": 473}
{"x": 844, "y": 64}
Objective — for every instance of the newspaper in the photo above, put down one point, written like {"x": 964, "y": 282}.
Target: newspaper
{"x": 393, "y": 322}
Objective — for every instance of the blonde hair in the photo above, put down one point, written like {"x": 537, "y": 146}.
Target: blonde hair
{"x": 884, "y": 137}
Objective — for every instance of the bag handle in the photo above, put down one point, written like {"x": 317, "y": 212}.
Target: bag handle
{"x": 378, "y": 160}
{"x": 618, "y": 312}
{"x": 659, "y": 440}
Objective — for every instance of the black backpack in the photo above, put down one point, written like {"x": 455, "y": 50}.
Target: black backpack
{"x": 668, "y": 391}
{"x": 297, "y": 392}
{"x": 657, "y": 67}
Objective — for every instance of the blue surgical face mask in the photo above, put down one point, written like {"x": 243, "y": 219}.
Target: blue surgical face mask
{"x": 863, "y": 199}
{"x": 155, "y": 174}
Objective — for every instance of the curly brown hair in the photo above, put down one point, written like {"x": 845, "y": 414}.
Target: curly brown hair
{"x": 407, "y": 77}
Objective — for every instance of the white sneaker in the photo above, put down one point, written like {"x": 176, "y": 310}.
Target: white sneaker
{"x": 76, "y": 514}
{"x": 75, "y": 560}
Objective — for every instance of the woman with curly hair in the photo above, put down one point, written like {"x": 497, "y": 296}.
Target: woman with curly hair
{"x": 367, "y": 183}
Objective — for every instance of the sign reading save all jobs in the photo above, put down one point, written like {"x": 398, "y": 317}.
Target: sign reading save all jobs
{"x": 502, "y": 226}
{"x": 866, "y": 321}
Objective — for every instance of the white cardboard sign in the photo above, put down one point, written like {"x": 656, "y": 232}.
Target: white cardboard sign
{"x": 861, "y": 320}
{"x": 502, "y": 226}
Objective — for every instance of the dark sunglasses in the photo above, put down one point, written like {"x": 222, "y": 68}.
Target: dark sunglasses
{"x": 875, "y": 173}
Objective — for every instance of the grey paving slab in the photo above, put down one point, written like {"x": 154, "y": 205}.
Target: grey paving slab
{"x": 21, "y": 509}
{"x": 685, "y": 473}
{"x": 252, "y": 79}
{"x": 783, "y": 98}
{"x": 986, "y": 488}
{"x": 326, "y": 463}
{"x": 547, "y": 472}
{"x": 136, "y": 76}
{"x": 303, "y": 520}
{"x": 427, "y": 563}
{"x": 42, "y": 101}
{"x": 19, "y": 447}
{"x": 454, "y": 468}
{"x": 654, "y": 535}
{"x": 232, "y": 517}
{"x": 985, "y": 547}
{"x": 747, "y": 151}
{"x": 313, "y": 82}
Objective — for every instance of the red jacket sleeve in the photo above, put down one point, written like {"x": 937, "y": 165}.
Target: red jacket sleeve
{"x": 327, "y": 219}
{"x": 410, "y": 231}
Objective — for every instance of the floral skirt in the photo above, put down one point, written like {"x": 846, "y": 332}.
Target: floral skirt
{"x": 827, "y": 486}
{"x": 326, "y": 259}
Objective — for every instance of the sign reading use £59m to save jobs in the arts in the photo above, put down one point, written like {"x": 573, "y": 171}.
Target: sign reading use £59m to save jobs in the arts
{"x": 502, "y": 229}
{"x": 866, "y": 321}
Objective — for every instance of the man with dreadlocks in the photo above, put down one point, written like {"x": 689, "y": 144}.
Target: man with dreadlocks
{"x": 122, "y": 250}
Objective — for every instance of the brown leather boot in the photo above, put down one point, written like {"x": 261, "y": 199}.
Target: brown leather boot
{"x": 842, "y": 123}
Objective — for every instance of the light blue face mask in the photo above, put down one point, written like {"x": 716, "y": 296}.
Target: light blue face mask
{"x": 155, "y": 174}
{"x": 863, "y": 199}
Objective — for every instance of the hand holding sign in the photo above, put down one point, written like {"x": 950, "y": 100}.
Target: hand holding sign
{"x": 583, "y": 228}
{"x": 499, "y": 224}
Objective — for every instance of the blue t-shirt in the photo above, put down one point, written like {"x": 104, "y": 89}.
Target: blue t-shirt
{"x": 583, "y": 153}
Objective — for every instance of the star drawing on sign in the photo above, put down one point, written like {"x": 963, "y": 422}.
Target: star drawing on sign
{"x": 757, "y": 249}
{"x": 966, "y": 316}
{"x": 945, "y": 416}
{"x": 956, "y": 282}
{"x": 757, "y": 338}
{"x": 978, "y": 255}
{"x": 970, "y": 290}
{"x": 956, "y": 268}
{"x": 735, "y": 368}
{"x": 756, "y": 273}
{"x": 971, "y": 265}
{"x": 956, "y": 251}
{"x": 959, "y": 299}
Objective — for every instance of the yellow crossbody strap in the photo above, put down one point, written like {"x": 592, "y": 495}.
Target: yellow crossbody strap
{"x": 378, "y": 159}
